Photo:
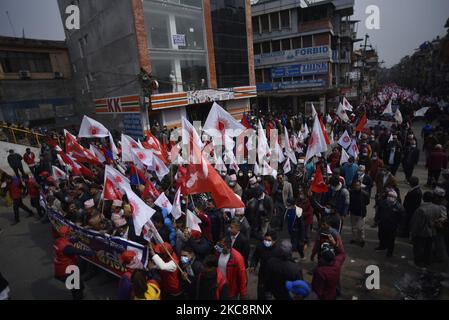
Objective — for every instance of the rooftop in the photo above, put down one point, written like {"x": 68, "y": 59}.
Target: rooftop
{"x": 31, "y": 43}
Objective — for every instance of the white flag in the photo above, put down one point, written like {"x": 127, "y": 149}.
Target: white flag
{"x": 317, "y": 142}
{"x": 345, "y": 140}
{"x": 344, "y": 157}
{"x": 328, "y": 119}
{"x": 150, "y": 232}
{"x": 192, "y": 221}
{"x": 219, "y": 123}
{"x": 128, "y": 144}
{"x": 263, "y": 149}
{"x": 329, "y": 171}
{"x": 341, "y": 113}
{"x": 267, "y": 170}
{"x": 97, "y": 153}
{"x": 353, "y": 149}
{"x": 58, "y": 174}
{"x": 219, "y": 164}
{"x": 91, "y": 128}
{"x": 280, "y": 154}
{"x": 143, "y": 157}
{"x": 388, "y": 109}
{"x": 160, "y": 168}
{"x": 176, "y": 210}
{"x": 288, "y": 150}
{"x": 346, "y": 105}
{"x": 256, "y": 169}
{"x": 287, "y": 167}
{"x": 391, "y": 138}
{"x": 116, "y": 177}
{"x": 114, "y": 149}
{"x": 331, "y": 138}
{"x": 421, "y": 112}
{"x": 190, "y": 135}
{"x": 314, "y": 113}
{"x": 306, "y": 131}
{"x": 163, "y": 203}
{"x": 141, "y": 212}
{"x": 398, "y": 116}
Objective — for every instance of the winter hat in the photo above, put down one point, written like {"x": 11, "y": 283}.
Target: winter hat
{"x": 298, "y": 288}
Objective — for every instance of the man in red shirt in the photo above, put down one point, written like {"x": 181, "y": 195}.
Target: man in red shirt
{"x": 232, "y": 265}
{"x": 33, "y": 189}
{"x": 15, "y": 191}
{"x": 30, "y": 159}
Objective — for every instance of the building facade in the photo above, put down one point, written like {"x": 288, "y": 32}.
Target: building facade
{"x": 36, "y": 87}
{"x": 196, "y": 51}
{"x": 303, "y": 52}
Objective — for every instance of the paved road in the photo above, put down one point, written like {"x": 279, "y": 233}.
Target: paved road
{"x": 26, "y": 260}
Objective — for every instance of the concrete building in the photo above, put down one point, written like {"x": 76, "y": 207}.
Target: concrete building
{"x": 36, "y": 87}
{"x": 302, "y": 52}
{"x": 196, "y": 51}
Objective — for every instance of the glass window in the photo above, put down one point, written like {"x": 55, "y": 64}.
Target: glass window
{"x": 266, "y": 47}
{"x": 13, "y": 61}
{"x": 274, "y": 19}
{"x": 257, "y": 48}
{"x": 285, "y": 19}
{"x": 192, "y": 29}
{"x": 267, "y": 75}
{"x": 286, "y": 44}
{"x": 256, "y": 25}
{"x": 265, "y": 23}
{"x": 194, "y": 75}
{"x": 275, "y": 45}
{"x": 192, "y": 3}
{"x": 259, "y": 75}
{"x": 307, "y": 41}
{"x": 296, "y": 43}
{"x": 161, "y": 70}
{"x": 157, "y": 27}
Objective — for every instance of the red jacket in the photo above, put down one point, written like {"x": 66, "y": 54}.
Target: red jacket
{"x": 61, "y": 261}
{"x": 236, "y": 275}
{"x": 307, "y": 212}
{"x": 171, "y": 281}
{"x": 221, "y": 281}
{"x": 29, "y": 159}
{"x": 33, "y": 189}
{"x": 326, "y": 278}
{"x": 15, "y": 189}
{"x": 437, "y": 160}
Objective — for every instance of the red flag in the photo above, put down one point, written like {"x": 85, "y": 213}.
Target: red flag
{"x": 110, "y": 192}
{"x": 326, "y": 137}
{"x": 80, "y": 153}
{"x": 150, "y": 190}
{"x": 318, "y": 184}
{"x": 152, "y": 143}
{"x": 362, "y": 123}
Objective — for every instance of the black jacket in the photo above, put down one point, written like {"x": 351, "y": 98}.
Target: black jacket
{"x": 278, "y": 271}
{"x": 15, "y": 160}
{"x": 389, "y": 214}
{"x": 412, "y": 201}
{"x": 411, "y": 157}
{"x": 241, "y": 244}
{"x": 358, "y": 202}
{"x": 261, "y": 255}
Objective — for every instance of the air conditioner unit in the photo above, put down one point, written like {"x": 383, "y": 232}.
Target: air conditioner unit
{"x": 59, "y": 75}
{"x": 24, "y": 74}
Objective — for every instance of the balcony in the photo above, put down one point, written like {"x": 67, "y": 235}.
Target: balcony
{"x": 315, "y": 25}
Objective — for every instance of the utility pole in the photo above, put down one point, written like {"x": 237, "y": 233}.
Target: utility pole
{"x": 362, "y": 72}
{"x": 148, "y": 85}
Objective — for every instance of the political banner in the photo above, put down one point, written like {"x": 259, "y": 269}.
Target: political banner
{"x": 108, "y": 249}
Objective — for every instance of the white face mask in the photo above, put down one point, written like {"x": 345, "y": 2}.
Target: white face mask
{"x": 267, "y": 243}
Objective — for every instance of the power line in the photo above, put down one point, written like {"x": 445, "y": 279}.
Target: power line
{"x": 10, "y": 23}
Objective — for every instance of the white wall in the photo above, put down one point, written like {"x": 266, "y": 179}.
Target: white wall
{"x": 20, "y": 149}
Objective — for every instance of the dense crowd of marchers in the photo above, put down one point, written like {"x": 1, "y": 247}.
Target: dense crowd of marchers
{"x": 198, "y": 231}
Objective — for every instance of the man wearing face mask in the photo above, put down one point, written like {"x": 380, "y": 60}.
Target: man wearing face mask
{"x": 192, "y": 268}
{"x": 376, "y": 165}
{"x": 238, "y": 240}
{"x": 264, "y": 211}
{"x": 364, "y": 179}
{"x": 262, "y": 253}
{"x": 338, "y": 197}
{"x": 411, "y": 158}
{"x": 245, "y": 227}
{"x": 281, "y": 268}
{"x": 389, "y": 215}
{"x": 232, "y": 265}
{"x": 232, "y": 183}
{"x": 359, "y": 199}
{"x": 283, "y": 192}
{"x": 349, "y": 171}
{"x": 393, "y": 154}
{"x": 374, "y": 144}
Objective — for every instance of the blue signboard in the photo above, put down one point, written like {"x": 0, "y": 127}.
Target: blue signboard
{"x": 298, "y": 70}
{"x": 132, "y": 123}
{"x": 290, "y": 85}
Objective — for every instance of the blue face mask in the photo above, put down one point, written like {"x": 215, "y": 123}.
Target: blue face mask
{"x": 185, "y": 260}
{"x": 218, "y": 248}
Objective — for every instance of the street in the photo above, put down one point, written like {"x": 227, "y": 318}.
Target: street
{"x": 26, "y": 259}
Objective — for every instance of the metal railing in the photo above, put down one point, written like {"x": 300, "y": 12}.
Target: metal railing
{"x": 23, "y": 136}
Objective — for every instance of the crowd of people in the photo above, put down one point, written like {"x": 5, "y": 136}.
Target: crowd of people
{"x": 288, "y": 216}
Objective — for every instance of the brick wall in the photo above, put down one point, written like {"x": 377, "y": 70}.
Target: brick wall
{"x": 249, "y": 32}
{"x": 210, "y": 44}
{"x": 141, "y": 34}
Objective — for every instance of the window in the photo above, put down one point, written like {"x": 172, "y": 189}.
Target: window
{"x": 265, "y": 23}
{"x": 266, "y": 47}
{"x": 275, "y": 45}
{"x": 285, "y": 19}
{"x": 267, "y": 75}
{"x": 296, "y": 43}
{"x": 157, "y": 26}
{"x": 194, "y": 74}
{"x": 307, "y": 41}
{"x": 274, "y": 19}
{"x": 192, "y": 29}
{"x": 15, "y": 61}
{"x": 257, "y": 48}
{"x": 259, "y": 75}
{"x": 286, "y": 44}
{"x": 256, "y": 25}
